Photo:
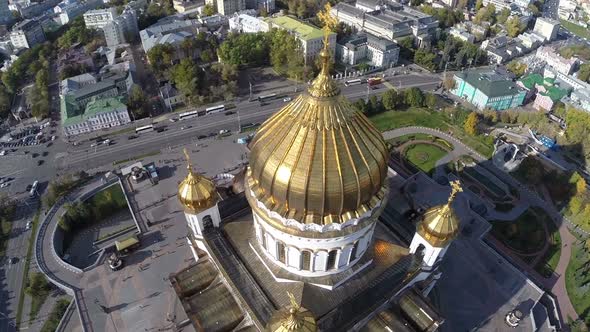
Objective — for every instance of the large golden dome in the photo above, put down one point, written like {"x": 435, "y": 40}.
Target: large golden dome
{"x": 440, "y": 224}
{"x": 318, "y": 160}
{"x": 195, "y": 192}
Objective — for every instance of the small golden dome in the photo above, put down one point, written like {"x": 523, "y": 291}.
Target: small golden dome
{"x": 318, "y": 160}
{"x": 440, "y": 224}
{"x": 195, "y": 192}
{"x": 293, "y": 318}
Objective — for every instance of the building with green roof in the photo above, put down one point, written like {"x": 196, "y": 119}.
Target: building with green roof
{"x": 310, "y": 37}
{"x": 98, "y": 114}
{"x": 488, "y": 89}
{"x": 545, "y": 91}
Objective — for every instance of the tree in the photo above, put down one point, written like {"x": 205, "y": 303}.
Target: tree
{"x": 534, "y": 9}
{"x": 517, "y": 68}
{"x": 209, "y": 10}
{"x": 137, "y": 102}
{"x": 391, "y": 99}
{"x": 463, "y": 4}
{"x": 414, "y": 97}
{"x": 478, "y": 5}
{"x": 245, "y": 49}
{"x": 514, "y": 26}
{"x": 449, "y": 83}
{"x": 416, "y": 3}
{"x": 186, "y": 76}
{"x": 584, "y": 72}
{"x": 38, "y": 285}
{"x": 575, "y": 205}
{"x": 5, "y": 102}
{"x": 430, "y": 100}
{"x": 425, "y": 58}
{"x": 503, "y": 15}
{"x": 472, "y": 124}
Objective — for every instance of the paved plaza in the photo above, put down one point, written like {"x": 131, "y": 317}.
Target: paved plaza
{"x": 139, "y": 296}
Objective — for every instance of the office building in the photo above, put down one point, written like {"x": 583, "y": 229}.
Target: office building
{"x": 394, "y": 21}
{"x": 556, "y": 61}
{"x": 488, "y": 89}
{"x": 123, "y": 29}
{"x": 228, "y": 7}
{"x": 98, "y": 18}
{"x": 97, "y": 114}
{"x": 546, "y": 28}
{"x": 26, "y": 34}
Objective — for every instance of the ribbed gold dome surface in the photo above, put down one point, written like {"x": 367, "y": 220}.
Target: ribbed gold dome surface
{"x": 440, "y": 224}
{"x": 318, "y": 160}
{"x": 195, "y": 192}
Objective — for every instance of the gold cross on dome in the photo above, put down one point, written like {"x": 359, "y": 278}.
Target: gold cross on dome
{"x": 329, "y": 22}
{"x": 188, "y": 158}
{"x": 455, "y": 189}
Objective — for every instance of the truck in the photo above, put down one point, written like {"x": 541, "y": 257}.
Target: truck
{"x": 374, "y": 81}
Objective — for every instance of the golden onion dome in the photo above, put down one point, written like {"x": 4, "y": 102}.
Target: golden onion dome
{"x": 293, "y": 318}
{"x": 440, "y": 224}
{"x": 195, "y": 192}
{"x": 318, "y": 160}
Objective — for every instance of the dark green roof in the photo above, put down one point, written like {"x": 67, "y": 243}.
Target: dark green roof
{"x": 553, "y": 91}
{"x": 491, "y": 83}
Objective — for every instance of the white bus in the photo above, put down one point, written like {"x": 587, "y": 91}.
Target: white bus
{"x": 188, "y": 115}
{"x": 33, "y": 191}
{"x": 144, "y": 129}
{"x": 270, "y": 96}
{"x": 215, "y": 109}
{"x": 353, "y": 82}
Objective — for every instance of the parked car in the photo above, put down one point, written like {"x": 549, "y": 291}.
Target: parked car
{"x": 29, "y": 225}
{"x": 287, "y": 99}
{"x": 40, "y": 162}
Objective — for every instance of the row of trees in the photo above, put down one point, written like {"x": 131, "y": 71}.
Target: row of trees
{"x": 445, "y": 16}
{"x": 393, "y": 100}
{"x": 40, "y": 102}
{"x": 82, "y": 214}
{"x": 457, "y": 53}
{"x": 278, "y": 48}
{"x": 200, "y": 48}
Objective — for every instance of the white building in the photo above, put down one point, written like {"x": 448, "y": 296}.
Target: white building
{"x": 244, "y": 23}
{"x": 352, "y": 50}
{"x": 98, "y": 18}
{"x": 461, "y": 34}
{"x": 556, "y": 61}
{"x": 171, "y": 96}
{"x": 26, "y": 34}
{"x": 382, "y": 52}
{"x": 123, "y": 29}
{"x": 393, "y": 21}
{"x": 98, "y": 114}
{"x": 546, "y": 28}
{"x": 310, "y": 37}
{"x": 228, "y": 7}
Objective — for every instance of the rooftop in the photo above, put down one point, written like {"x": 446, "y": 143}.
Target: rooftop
{"x": 303, "y": 30}
{"x": 490, "y": 83}
{"x": 70, "y": 115}
{"x": 551, "y": 89}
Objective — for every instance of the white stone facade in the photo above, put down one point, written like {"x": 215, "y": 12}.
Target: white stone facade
{"x": 546, "y": 28}
{"x": 312, "y": 257}
{"x": 431, "y": 253}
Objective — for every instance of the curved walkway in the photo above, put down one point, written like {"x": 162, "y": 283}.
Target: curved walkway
{"x": 556, "y": 283}
{"x": 53, "y": 267}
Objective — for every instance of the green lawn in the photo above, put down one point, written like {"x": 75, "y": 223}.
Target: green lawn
{"x": 525, "y": 234}
{"x": 549, "y": 262}
{"x": 412, "y": 117}
{"x": 424, "y": 156}
{"x": 102, "y": 197}
{"x": 575, "y": 29}
{"x": 577, "y": 280}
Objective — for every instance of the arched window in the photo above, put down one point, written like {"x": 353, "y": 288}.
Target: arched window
{"x": 332, "y": 259}
{"x": 353, "y": 252}
{"x": 207, "y": 222}
{"x": 264, "y": 245}
{"x": 306, "y": 260}
{"x": 281, "y": 252}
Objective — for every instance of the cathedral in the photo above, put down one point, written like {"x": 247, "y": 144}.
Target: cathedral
{"x": 304, "y": 247}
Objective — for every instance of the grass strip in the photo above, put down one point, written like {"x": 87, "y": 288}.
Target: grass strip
{"x": 21, "y": 299}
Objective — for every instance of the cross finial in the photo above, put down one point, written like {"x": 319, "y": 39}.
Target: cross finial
{"x": 188, "y": 159}
{"x": 455, "y": 189}
{"x": 294, "y": 304}
{"x": 329, "y": 22}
